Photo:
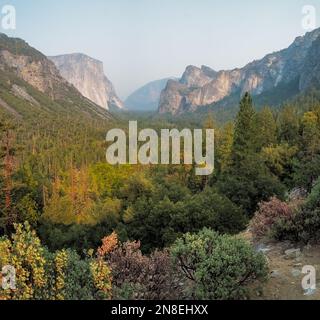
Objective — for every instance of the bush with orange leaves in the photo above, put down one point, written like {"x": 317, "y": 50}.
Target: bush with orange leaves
{"x": 109, "y": 243}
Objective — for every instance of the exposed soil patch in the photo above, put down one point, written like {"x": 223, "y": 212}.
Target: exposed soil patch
{"x": 286, "y": 261}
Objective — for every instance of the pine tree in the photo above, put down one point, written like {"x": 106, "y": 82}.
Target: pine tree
{"x": 248, "y": 180}
{"x": 245, "y": 131}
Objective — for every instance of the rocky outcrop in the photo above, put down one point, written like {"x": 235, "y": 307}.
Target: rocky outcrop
{"x": 204, "y": 86}
{"x": 147, "y": 97}
{"x": 87, "y": 75}
{"x": 39, "y": 73}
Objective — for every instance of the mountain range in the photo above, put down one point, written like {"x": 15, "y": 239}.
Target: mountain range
{"x": 291, "y": 71}
{"x": 76, "y": 83}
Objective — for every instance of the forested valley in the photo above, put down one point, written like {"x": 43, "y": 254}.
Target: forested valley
{"x": 76, "y": 227}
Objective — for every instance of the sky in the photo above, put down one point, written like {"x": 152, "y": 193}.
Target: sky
{"x": 144, "y": 40}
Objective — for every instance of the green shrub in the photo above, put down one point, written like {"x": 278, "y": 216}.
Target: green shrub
{"x": 219, "y": 266}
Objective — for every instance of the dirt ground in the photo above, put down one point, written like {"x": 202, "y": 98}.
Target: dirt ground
{"x": 285, "y": 277}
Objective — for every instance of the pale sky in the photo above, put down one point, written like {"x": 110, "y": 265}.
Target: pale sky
{"x": 144, "y": 40}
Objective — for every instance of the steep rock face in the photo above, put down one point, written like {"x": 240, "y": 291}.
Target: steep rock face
{"x": 147, "y": 97}
{"x": 87, "y": 75}
{"x": 204, "y": 86}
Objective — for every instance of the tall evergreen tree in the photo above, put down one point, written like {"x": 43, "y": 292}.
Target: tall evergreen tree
{"x": 248, "y": 180}
{"x": 245, "y": 131}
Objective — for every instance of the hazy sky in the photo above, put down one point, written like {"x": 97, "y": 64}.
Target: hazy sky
{"x": 144, "y": 40}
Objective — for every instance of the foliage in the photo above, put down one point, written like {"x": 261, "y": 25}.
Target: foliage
{"x": 308, "y": 167}
{"x": 279, "y": 159}
{"x": 248, "y": 181}
{"x": 61, "y": 263}
{"x": 220, "y": 266}
{"x": 101, "y": 278}
{"x": 25, "y": 253}
{"x": 41, "y": 274}
{"x": 250, "y": 185}
{"x": 55, "y": 177}
{"x": 158, "y": 223}
{"x": 268, "y": 215}
{"x": 109, "y": 243}
{"x": 137, "y": 276}
{"x": 305, "y": 225}
{"x": 244, "y": 132}
{"x": 224, "y": 142}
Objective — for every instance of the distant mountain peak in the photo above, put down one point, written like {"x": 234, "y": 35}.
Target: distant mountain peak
{"x": 147, "y": 97}
{"x": 87, "y": 75}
